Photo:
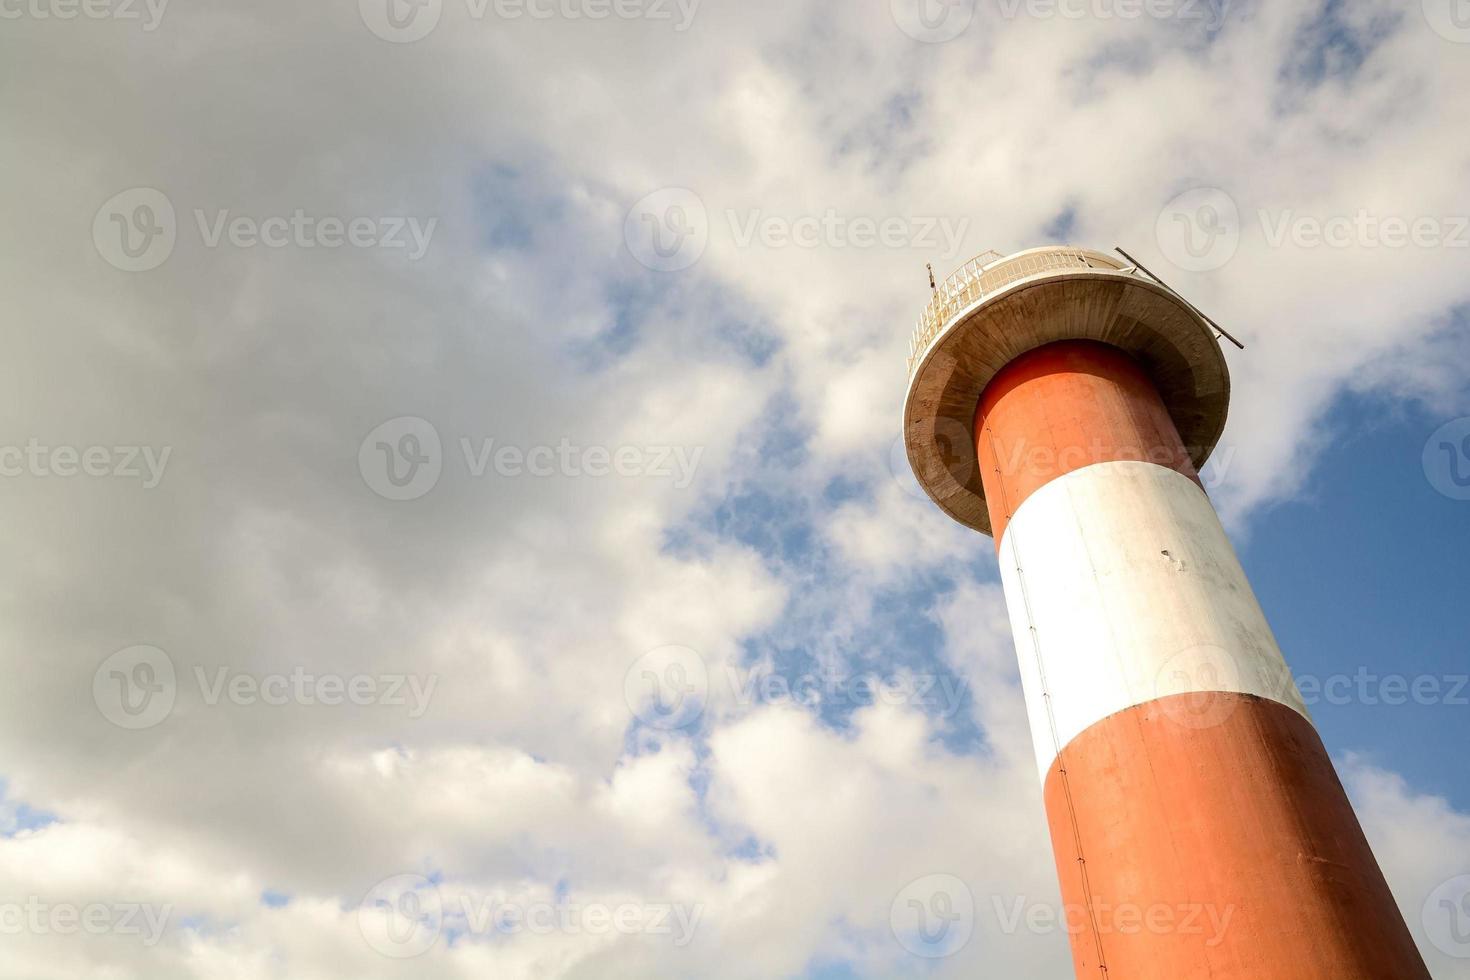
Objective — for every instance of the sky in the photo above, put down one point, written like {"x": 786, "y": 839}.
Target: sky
{"x": 451, "y": 483}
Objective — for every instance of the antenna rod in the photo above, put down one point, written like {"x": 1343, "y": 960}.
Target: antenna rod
{"x": 1223, "y": 332}
{"x": 931, "y": 275}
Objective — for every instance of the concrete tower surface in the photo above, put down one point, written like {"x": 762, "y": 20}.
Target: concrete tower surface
{"x": 1063, "y": 401}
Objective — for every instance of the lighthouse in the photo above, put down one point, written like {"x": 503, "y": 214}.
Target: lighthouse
{"x": 1063, "y": 401}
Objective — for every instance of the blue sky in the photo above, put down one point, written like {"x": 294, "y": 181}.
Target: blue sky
{"x": 1368, "y": 569}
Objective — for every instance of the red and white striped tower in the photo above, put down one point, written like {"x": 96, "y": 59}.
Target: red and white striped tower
{"x": 1063, "y": 401}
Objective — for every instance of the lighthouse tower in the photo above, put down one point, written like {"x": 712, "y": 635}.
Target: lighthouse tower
{"x": 1063, "y": 401}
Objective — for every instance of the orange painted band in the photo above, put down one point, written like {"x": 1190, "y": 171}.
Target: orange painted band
{"x": 1062, "y": 407}
{"x": 1216, "y": 843}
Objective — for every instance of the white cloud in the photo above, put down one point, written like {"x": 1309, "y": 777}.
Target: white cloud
{"x": 1421, "y": 842}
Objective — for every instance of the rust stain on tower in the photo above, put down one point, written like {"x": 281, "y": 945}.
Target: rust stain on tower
{"x": 1063, "y": 401}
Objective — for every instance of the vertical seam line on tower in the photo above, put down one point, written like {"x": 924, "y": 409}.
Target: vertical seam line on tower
{"x": 1010, "y": 529}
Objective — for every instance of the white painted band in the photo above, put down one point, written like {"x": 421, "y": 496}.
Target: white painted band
{"x": 1122, "y": 587}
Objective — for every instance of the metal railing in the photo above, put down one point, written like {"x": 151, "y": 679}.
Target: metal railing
{"x": 987, "y": 273}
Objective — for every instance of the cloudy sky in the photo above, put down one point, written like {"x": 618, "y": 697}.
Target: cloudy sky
{"x": 454, "y": 519}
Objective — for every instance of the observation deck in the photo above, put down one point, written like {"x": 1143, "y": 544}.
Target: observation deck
{"x": 995, "y": 308}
